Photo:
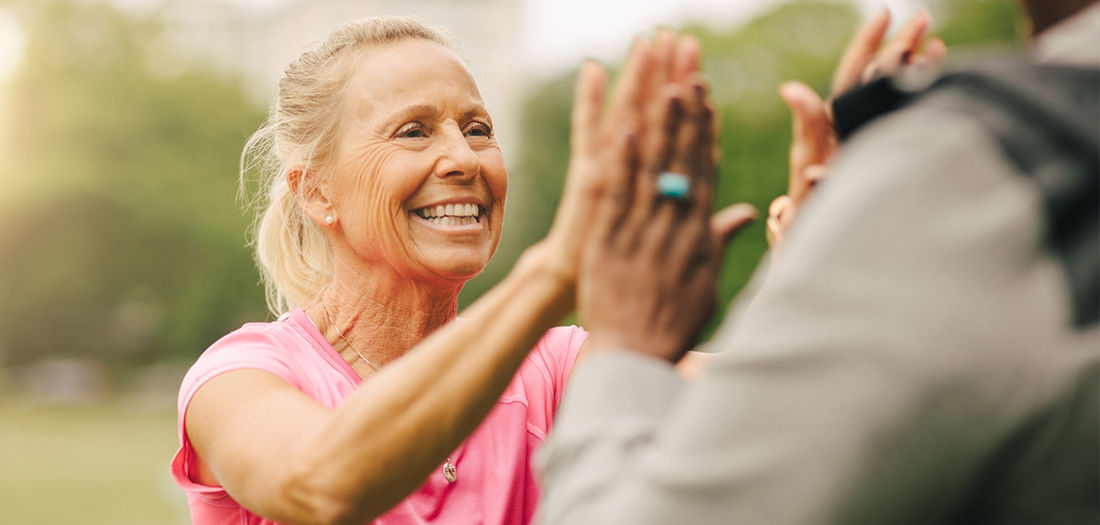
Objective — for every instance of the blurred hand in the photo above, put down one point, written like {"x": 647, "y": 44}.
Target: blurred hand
{"x": 649, "y": 267}
{"x": 595, "y": 130}
{"x": 813, "y": 136}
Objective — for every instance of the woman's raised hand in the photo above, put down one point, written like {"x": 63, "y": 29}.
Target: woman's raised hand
{"x": 596, "y": 129}
{"x": 813, "y": 136}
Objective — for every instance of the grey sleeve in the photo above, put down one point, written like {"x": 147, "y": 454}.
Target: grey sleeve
{"x": 891, "y": 347}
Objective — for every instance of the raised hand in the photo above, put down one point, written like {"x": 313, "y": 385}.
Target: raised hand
{"x": 650, "y": 264}
{"x": 593, "y": 131}
{"x": 649, "y": 67}
{"x": 813, "y": 136}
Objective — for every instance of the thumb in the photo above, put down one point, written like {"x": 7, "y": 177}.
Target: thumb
{"x": 811, "y": 134}
{"x": 730, "y": 220}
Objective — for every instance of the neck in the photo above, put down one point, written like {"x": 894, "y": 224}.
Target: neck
{"x": 380, "y": 314}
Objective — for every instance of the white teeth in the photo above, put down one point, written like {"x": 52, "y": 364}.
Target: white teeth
{"x": 450, "y": 213}
{"x": 452, "y": 221}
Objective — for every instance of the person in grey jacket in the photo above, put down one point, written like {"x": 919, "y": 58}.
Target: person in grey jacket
{"x": 912, "y": 358}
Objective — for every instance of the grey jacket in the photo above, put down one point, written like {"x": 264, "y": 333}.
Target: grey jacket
{"x": 910, "y": 360}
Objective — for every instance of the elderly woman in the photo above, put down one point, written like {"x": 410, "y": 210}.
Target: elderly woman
{"x": 385, "y": 193}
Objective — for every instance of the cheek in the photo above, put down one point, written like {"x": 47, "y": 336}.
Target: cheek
{"x": 377, "y": 191}
{"x": 495, "y": 175}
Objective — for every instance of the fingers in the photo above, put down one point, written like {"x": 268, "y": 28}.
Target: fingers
{"x": 677, "y": 133}
{"x": 692, "y": 246}
{"x": 904, "y": 46}
{"x": 901, "y": 49}
{"x": 630, "y": 91}
{"x": 587, "y": 108}
{"x": 861, "y": 51}
{"x": 729, "y": 221}
{"x": 695, "y": 143}
{"x": 665, "y": 117}
{"x": 933, "y": 53}
{"x": 864, "y": 61}
{"x": 774, "y": 227}
{"x": 665, "y": 56}
{"x": 688, "y": 58}
{"x": 814, "y": 174}
{"x": 812, "y": 139}
{"x": 623, "y": 163}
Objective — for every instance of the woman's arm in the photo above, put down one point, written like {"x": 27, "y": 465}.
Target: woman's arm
{"x": 284, "y": 456}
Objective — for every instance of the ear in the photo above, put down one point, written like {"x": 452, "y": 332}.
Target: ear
{"x": 311, "y": 195}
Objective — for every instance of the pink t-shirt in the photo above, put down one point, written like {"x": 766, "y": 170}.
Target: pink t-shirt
{"x": 496, "y": 484}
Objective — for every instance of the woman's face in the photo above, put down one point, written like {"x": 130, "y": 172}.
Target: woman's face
{"x": 419, "y": 181}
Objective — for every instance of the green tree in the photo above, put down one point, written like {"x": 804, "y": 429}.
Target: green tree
{"x": 124, "y": 239}
{"x": 799, "y": 40}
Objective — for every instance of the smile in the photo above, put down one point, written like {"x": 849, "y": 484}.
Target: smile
{"x": 450, "y": 214}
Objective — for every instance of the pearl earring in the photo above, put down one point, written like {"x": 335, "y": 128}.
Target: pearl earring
{"x": 329, "y": 220}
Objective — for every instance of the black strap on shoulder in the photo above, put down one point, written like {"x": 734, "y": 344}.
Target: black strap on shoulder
{"x": 1046, "y": 119}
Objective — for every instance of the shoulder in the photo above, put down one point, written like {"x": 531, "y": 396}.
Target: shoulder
{"x": 562, "y": 338}
{"x": 276, "y": 347}
{"x": 251, "y": 343}
{"x": 558, "y": 348}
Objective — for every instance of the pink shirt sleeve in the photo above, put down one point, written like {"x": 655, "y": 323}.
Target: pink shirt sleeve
{"x": 559, "y": 348}
{"x": 542, "y": 378}
{"x": 242, "y": 349}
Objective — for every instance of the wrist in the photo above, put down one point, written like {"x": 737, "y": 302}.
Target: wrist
{"x": 600, "y": 341}
{"x": 542, "y": 263}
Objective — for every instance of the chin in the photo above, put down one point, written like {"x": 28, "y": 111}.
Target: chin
{"x": 457, "y": 270}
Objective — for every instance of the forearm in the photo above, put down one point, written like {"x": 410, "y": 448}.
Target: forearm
{"x": 413, "y": 413}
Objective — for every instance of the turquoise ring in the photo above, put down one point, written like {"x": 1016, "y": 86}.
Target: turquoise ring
{"x": 674, "y": 185}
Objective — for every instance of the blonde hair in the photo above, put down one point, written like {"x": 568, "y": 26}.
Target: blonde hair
{"x": 292, "y": 253}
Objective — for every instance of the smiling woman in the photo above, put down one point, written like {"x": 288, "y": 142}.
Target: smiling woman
{"x": 383, "y": 192}
{"x": 414, "y": 139}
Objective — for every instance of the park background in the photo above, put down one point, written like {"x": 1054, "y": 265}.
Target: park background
{"x": 122, "y": 245}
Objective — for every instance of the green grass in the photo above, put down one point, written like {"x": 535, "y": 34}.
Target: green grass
{"x": 101, "y": 463}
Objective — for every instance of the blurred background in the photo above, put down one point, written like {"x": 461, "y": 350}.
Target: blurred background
{"x": 122, "y": 247}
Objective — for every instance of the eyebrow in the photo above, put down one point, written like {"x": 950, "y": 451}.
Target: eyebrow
{"x": 474, "y": 110}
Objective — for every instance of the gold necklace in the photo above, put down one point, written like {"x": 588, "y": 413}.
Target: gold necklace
{"x": 450, "y": 469}
{"x": 340, "y": 334}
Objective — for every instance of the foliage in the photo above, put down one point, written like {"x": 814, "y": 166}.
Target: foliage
{"x": 124, "y": 240}
{"x": 799, "y": 40}
{"x": 979, "y": 23}
{"x": 119, "y": 233}
{"x": 745, "y": 66}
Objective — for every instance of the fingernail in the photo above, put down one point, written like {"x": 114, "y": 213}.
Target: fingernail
{"x": 788, "y": 92}
{"x": 674, "y": 103}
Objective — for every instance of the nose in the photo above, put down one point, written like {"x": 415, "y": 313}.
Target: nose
{"x": 456, "y": 159}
